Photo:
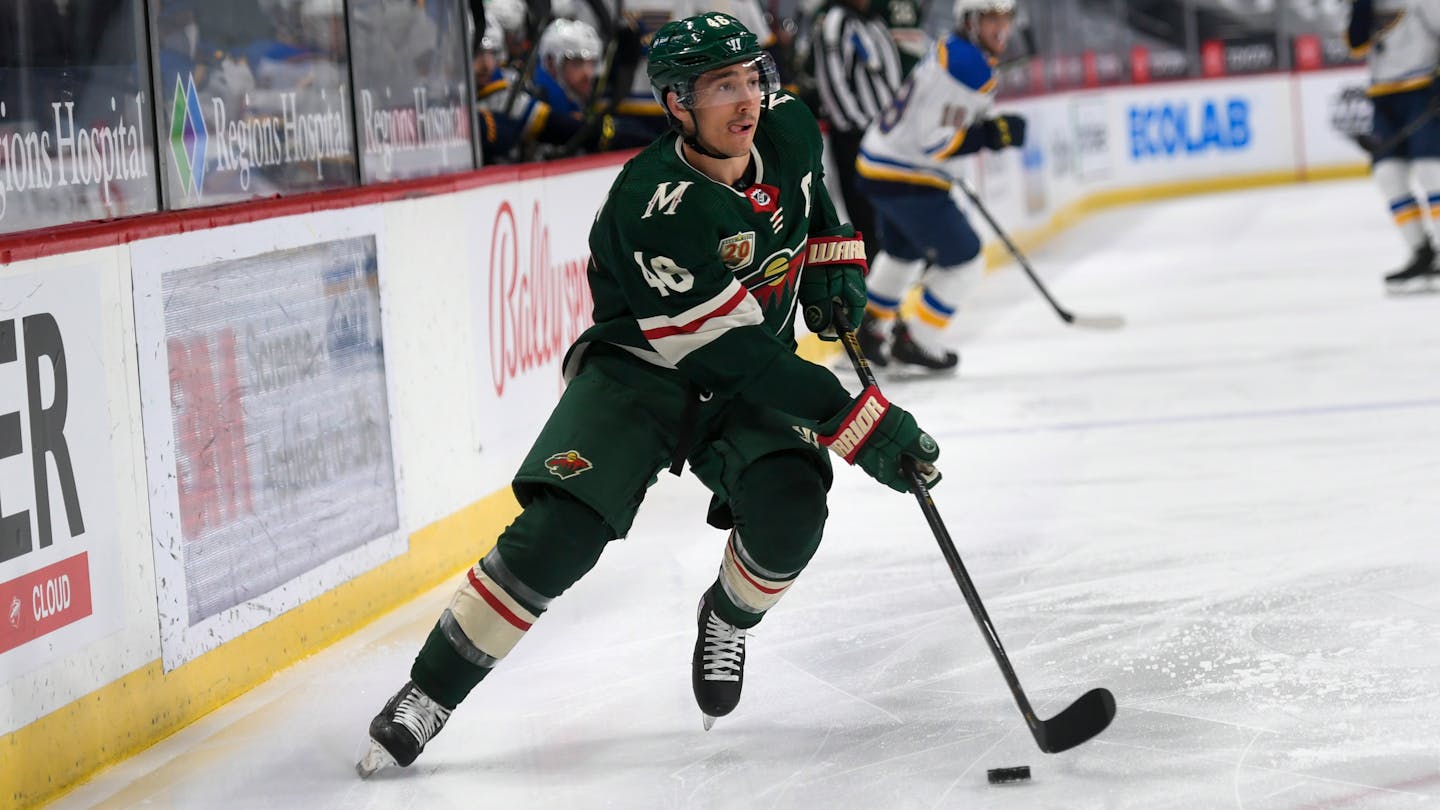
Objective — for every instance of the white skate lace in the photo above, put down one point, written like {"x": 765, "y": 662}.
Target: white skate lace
{"x": 724, "y": 644}
{"x": 423, "y": 716}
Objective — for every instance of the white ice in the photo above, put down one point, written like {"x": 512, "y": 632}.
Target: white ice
{"x": 1226, "y": 513}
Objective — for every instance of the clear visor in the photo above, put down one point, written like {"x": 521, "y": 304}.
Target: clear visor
{"x": 743, "y": 81}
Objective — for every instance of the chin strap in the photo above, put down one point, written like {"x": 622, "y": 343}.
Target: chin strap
{"x": 693, "y": 141}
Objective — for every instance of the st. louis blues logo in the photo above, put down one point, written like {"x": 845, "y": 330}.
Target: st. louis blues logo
{"x": 567, "y": 464}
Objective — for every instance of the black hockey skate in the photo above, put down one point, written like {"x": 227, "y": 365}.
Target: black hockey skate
{"x": 906, "y": 349}
{"x": 872, "y": 343}
{"x": 1420, "y": 275}
{"x": 717, "y": 670}
{"x": 399, "y": 732}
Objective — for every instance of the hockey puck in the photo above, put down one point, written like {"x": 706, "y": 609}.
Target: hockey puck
{"x": 1005, "y": 776}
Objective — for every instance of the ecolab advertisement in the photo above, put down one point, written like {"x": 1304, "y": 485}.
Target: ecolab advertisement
{"x": 1205, "y": 129}
{"x": 58, "y": 542}
{"x": 1138, "y": 138}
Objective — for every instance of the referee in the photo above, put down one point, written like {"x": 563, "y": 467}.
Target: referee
{"x": 857, "y": 69}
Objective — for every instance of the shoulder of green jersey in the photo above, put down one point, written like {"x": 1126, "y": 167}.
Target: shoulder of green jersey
{"x": 789, "y": 121}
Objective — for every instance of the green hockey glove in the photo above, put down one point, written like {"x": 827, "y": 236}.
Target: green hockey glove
{"x": 835, "y": 269}
{"x": 874, "y": 434}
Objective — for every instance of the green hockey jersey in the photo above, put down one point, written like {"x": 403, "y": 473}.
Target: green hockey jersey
{"x": 696, "y": 276}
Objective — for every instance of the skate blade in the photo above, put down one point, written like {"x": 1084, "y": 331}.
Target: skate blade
{"x": 708, "y": 721}
{"x": 375, "y": 759}
{"x": 899, "y": 371}
{"x": 1414, "y": 286}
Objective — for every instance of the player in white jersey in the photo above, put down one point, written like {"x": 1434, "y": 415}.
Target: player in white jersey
{"x": 1401, "y": 41}
{"x": 943, "y": 112}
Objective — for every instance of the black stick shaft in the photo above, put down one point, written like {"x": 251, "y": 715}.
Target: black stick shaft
{"x": 942, "y": 537}
{"x": 542, "y": 13}
{"x": 1376, "y": 149}
{"x": 1010, "y": 245}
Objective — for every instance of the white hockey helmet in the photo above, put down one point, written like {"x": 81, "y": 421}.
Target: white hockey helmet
{"x": 564, "y": 9}
{"x": 964, "y": 8}
{"x": 492, "y": 40}
{"x": 569, "y": 39}
{"x": 509, "y": 14}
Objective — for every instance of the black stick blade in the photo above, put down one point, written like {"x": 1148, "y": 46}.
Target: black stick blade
{"x": 1080, "y": 721}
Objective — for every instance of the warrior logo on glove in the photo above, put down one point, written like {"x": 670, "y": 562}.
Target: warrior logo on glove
{"x": 875, "y": 435}
{"x": 835, "y": 269}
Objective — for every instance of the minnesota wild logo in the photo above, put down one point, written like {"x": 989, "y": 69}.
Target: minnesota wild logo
{"x": 567, "y": 464}
{"x": 774, "y": 281}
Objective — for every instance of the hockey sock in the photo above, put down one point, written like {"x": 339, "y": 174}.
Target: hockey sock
{"x": 554, "y": 542}
{"x": 744, "y": 590}
{"x": 780, "y": 512}
{"x": 490, "y": 612}
{"x": 1427, "y": 176}
{"x": 945, "y": 289}
{"x": 1393, "y": 178}
{"x": 886, "y": 286}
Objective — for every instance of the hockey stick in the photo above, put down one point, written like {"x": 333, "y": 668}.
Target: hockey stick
{"x": 541, "y": 12}
{"x": 1083, "y": 321}
{"x": 1376, "y": 147}
{"x": 1028, "y": 49}
{"x": 606, "y": 85}
{"x": 1081, "y": 720}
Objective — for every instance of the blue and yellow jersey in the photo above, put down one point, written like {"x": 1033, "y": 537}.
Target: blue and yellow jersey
{"x": 504, "y": 128}
{"x": 1402, "y": 46}
{"x": 549, "y": 90}
{"x": 929, "y": 124}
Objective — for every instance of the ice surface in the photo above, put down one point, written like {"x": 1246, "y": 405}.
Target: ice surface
{"x": 1226, "y": 513}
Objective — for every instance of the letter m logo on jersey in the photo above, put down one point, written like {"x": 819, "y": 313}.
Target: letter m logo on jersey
{"x": 567, "y": 464}
{"x": 666, "y": 199}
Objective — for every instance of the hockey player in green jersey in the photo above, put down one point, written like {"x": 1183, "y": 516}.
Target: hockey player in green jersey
{"x": 708, "y": 244}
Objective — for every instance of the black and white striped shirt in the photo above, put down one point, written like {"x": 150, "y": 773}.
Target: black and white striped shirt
{"x": 857, "y": 67}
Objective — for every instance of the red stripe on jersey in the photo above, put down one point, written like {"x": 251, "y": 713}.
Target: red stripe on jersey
{"x": 494, "y": 602}
{"x": 726, "y": 308}
{"x": 740, "y": 566}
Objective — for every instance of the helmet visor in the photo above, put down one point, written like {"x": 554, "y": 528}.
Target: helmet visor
{"x": 749, "y": 80}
